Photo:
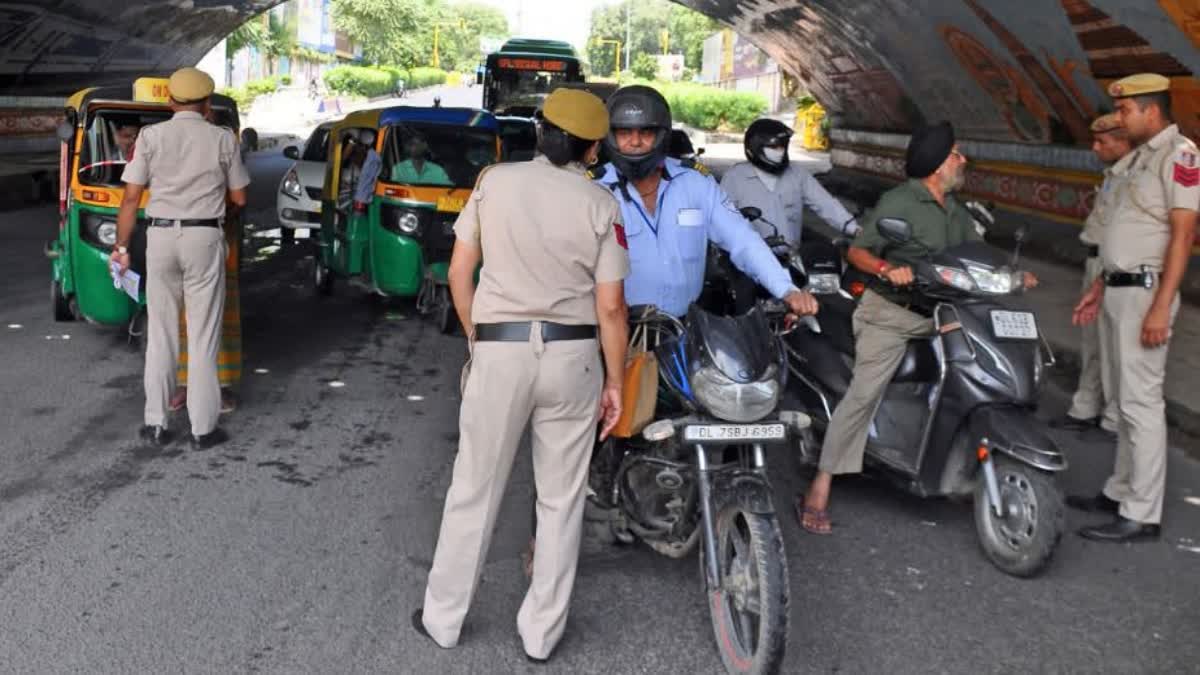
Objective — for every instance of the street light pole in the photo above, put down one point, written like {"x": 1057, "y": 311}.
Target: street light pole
{"x": 628, "y": 33}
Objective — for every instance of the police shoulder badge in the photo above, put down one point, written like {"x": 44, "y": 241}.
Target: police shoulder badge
{"x": 1187, "y": 169}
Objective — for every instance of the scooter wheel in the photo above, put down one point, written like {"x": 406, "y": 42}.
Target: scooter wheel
{"x": 1020, "y": 541}
{"x": 322, "y": 277}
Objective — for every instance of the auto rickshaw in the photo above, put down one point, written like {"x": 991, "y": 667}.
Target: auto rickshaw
{"x": 97, "y": 139}
{"x": 399, "y": 245}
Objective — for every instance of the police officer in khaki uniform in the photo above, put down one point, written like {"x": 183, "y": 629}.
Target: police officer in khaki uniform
{"x": 1145, "y": 251}
{"x": 554, "y": 263}
{"x": 191, "y": 168}
{"x": 1093, "y": 404}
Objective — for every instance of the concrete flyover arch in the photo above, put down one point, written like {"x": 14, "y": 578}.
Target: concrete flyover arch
{"x": 1020, "y": 79}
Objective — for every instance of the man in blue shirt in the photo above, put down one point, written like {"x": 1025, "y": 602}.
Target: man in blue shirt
{"x": 671, "y": 212}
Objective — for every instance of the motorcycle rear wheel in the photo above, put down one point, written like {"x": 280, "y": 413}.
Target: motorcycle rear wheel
{"x": 749, "y": 611}
{"x": 1023, "y": 540}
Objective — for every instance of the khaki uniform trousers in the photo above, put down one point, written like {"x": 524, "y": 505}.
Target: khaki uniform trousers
{"x": 882, "y": 330}
{"x": 1093, "y": 394}
{"x": 1137, "y": 373}
{"x": 555, "y": 389}
{"x": 188, "y": 264}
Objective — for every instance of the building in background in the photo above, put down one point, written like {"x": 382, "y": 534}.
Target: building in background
{"x": 318, "y": 47}
{"x": 730, "y": 61}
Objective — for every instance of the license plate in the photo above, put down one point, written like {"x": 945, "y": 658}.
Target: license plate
{"x": 702, "y": 433}
{"x": 451, "y": 204}
{"x": 1014, "y": 325}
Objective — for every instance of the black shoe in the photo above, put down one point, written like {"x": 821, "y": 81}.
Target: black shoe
{"x": 156, "y": 434}
{"x": 213, "y": 438}
{"x": 540, "y": 662}
{"x": 418, "y": 623}
{"x": 1068, "y": 423}
{"x": 1121, "y": 529}
{"x": 1098, "y": 504}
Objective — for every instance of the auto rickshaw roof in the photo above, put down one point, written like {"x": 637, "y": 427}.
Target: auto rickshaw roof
{"x": 461, "y": 117}
{"x": 124, "y": 96}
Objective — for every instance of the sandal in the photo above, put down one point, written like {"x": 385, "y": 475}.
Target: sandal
{"x": 815, "y": 521}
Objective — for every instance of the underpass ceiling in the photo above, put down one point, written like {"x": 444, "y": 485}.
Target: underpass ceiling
{"x": 1003, "y": 70}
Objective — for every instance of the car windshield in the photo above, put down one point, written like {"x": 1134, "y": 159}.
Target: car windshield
{"x": 437, "y": 154}
{"x": 110, "y": 141}
{"x": 317, "y": 147}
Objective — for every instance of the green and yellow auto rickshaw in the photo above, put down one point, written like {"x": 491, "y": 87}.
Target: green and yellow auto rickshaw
{"x": 98, "y": 137}
{"x": 399, "y": 245}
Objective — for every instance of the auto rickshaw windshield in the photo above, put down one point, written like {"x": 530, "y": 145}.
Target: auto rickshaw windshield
{"x": 109, "y": 142}
{"x": 426, "y": 154}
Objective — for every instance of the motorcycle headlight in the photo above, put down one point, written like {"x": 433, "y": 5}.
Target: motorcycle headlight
{"x": 1000, "y": 281}
{"x": 956, "y": 278}
{"x": 824, "y": 284}
{"x": 291, "y": 185}
{"x": 735, "y": 401}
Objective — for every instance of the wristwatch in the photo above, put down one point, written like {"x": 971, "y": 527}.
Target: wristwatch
{"x": 121, "y": 250}
{"x": 884, "y": 267}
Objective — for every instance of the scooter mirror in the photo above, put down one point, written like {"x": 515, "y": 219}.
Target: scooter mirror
{"x": 895, "y": 230}
{"x": 751, "y": 212}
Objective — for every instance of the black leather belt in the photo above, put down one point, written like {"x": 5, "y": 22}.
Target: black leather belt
{"x": 185, "y": 222}
{"x": 518, "y": 331}
{"x": 1093, "y": 251}
{"x": 1126, "y": 279}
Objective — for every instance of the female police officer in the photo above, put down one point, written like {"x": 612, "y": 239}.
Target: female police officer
{"x": 554, "y": 269}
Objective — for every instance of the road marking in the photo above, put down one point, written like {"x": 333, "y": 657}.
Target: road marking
{"x": 1189, "y": 549}
{"x": 261, "y": 371}
{"x": 1194, "y": 501}
{"x": 337, "y": 384}
{"x": 15, "y": 326}
{"x": 416, "y": 397}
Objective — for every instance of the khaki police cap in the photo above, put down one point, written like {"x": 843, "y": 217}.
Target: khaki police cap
{"x": 1138, "y": 85}
{"x": 1106, "y": 123}
{"x": 578, "y": 113}
{"x": 189, "y": 85}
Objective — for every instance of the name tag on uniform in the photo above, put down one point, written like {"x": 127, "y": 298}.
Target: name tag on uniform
{"x": 690, "y": 218}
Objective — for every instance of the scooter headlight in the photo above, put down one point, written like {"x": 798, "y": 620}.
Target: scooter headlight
{"x": 955, "y": 278}
{"x": 735, "y": 401}
{"x": 1001, "y": 281}
{"x": 824, "y": 284}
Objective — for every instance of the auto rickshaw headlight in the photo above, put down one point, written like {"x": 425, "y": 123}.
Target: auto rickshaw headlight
{"x": 408, "y": 222}
{"x": 107, "y": 233}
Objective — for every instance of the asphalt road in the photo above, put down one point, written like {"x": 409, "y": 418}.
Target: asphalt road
{"x": 302, "y": 545}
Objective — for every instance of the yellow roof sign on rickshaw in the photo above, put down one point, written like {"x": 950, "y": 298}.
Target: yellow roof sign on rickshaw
{"x": 151, "y": 90}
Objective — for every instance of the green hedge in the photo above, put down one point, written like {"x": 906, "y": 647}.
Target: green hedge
{"x": 372, "y": 81}
{"x": 246, "y": 94}
{"x": 709, "y": 108}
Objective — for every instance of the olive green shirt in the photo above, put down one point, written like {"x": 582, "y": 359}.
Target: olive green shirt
{"x": 934, "y": 226}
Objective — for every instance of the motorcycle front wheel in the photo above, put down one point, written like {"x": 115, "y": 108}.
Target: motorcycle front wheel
{"x": 1022, "y": 539}
{"x": 749, "y": 610}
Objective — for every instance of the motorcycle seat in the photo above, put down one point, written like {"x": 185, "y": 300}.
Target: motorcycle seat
{"x": 920, "y": 363}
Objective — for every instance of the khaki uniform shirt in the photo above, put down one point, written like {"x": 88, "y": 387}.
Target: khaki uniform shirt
{"x": 548, "y": 235}
{"x": 1161, "y": 175}
{"x": 1102, "y": 209}
{"x": 189, "y": 166}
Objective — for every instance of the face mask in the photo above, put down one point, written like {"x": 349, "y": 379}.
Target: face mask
{"x": 774, "y": 155}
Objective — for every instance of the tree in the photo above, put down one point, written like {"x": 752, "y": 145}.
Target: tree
{"x": 645, "y": 66}
{"x": 281, "y": 39}
{"x": 687, "y": 30}
{"x": 395, "y": 32}
{"x": 250, "y": 34}
{"x": 462, "y": 25}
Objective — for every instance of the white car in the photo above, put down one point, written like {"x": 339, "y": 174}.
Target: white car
{"x": 298, "y": 203}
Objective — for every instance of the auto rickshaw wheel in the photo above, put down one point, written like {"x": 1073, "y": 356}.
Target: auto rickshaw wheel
{"x": 447, "y": 318}
{"x": 62, "y": 306}
{"x": 322, "y": 277}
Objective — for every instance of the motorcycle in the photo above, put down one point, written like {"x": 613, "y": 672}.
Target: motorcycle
{"x": 958, "y": 416}
{"x": 697, "y": 475}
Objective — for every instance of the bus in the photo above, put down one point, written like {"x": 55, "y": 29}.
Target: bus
{"x": 518, "y": 76}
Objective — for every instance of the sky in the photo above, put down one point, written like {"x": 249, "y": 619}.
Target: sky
{"x": 558, "y": 19}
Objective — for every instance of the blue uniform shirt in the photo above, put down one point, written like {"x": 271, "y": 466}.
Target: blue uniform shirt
{"x": 668, "y": 251}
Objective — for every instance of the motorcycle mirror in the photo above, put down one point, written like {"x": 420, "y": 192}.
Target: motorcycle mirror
{"x": 291, "y": 152}
{"x": 700, "y": 152}
{"x": 895, "y": 230}
{"x": 1021, "y": 233}
{"x": 751, "y": 212}
{"x": 65, "y": 132}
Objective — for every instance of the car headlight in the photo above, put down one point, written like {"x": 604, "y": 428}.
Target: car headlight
{"x": 999, "y": 281}
{"x": 291, "y": 185}
{"x": 954, "y": 277}
{"x": 824, "y": 284}
{"x": 735, "y": 401}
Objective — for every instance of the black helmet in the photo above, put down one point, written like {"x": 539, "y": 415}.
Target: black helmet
{"x": 638, "y": 107}
{"x": 680, "y": 145}
{"x": 764, "y": 133}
